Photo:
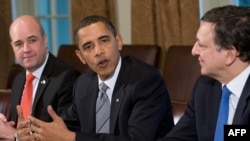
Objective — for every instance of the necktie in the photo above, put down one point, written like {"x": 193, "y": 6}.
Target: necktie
{"x": 223, "y": 114}
{"x": 102, "y": 110}
{"x": 26, "y": 101}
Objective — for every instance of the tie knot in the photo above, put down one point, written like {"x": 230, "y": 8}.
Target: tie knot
{"x": 225, "y": 92}
{"x": 30, "y": 77}
{"x": 103, "y": 87}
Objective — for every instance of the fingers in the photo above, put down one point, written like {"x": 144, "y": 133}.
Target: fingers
{"x": 23, "y": 124}
{"x": 3, "y": 117}
{"x": 35, "y": 128}
{"x": 23, "y": 131}
{"x": 52, "y": 113}
{"x": 19, "y": 113}
{"x": 11, "y": 123}
{"x": 36, "y": 137}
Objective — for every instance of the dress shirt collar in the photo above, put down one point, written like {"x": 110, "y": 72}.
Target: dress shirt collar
{"x": 238, "y": 83}
{"x": 110, "y": 82}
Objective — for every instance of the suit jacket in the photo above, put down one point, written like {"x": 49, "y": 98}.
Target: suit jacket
{"x": 54, "y": 88}
{"x": 140, "y": 106}
{"x": 199, "y": 121}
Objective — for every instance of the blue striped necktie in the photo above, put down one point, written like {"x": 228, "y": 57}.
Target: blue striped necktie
{"x": 223, "y": 114}
{"x": 102, "y": 110}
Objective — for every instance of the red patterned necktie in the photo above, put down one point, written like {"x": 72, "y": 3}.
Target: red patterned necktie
{"x": 26, "y": 102}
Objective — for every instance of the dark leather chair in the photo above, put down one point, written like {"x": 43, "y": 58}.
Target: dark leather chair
{"x": 147, "y": 53}
{"x": 67, "y": 54}
{"x": 5, "y": 95}
{"x": 14, "y": 70}
{"x": 180, "y": 73}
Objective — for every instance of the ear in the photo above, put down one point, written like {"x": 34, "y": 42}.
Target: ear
{"x": 79, "y": 56}
{"x": 231, "y": 55}
{"x": 119, "y": 41}
{"x": 45, "y": 40}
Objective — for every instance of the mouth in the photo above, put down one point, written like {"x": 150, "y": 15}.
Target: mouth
{"x": 200, "y": 62}
{"x": 27, "y": 57}
{"x": 102, "y": 63}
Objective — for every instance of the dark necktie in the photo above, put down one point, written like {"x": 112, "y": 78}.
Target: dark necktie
{"x": 102, "y": 110}
{"x": 26, "y": 102}
{"x": 223, "y": 114}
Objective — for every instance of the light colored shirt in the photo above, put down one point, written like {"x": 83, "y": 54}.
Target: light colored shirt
{"x": 37, "y": 73}
{"x": 110, "y": 82}
{"x": 236, "y": 86}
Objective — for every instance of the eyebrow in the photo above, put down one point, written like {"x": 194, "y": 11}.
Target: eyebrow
{"x": 85, "y": 44}
{"x": 104, "y": 36}
{"x": 32, "y": 36}
{"x": 99, "y": 38}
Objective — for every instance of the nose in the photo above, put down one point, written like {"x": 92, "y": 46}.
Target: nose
{"x": 195, "y": 49}
{"x": 98, "y": 49}
{"x": 26, "y": 47}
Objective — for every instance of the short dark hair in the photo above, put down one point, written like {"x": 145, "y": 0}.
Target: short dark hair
{"x": 231, "y": 28}
{"x": 94, "y": 19}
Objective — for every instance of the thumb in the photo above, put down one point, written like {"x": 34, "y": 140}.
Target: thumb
{"x": 52, "y": 113}
{"x": 3, "y": 117}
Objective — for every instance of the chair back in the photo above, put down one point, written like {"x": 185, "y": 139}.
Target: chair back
{"x": 67, "y": 53}
{"x": 180, "y": 73}
{"x": 147, "y": 53}
{"x": 14, "y": 70}
{"x": 5, "y": 105}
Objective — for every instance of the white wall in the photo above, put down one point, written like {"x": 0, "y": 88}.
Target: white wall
{"x": 123, "y": 17}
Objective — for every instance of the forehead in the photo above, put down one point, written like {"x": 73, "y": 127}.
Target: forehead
{"x": 93, "y": 29}
{"x": 205, "y": 30}
{"x": 24, "y": 28}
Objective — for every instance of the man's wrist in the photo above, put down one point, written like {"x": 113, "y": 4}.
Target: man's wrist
{"x": 15, "y": 135}
{"x": 72, "y": 136}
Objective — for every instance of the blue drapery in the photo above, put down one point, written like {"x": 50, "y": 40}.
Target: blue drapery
{"x": 242, "y": 2}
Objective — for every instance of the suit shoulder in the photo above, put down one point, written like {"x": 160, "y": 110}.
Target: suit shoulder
{"x": 135, "y": 69}
{"x": 206, "y": 80}
{"x": 59, "y": 65}
{"x": 205, "y": 83}
{"x": 136, "y": 64}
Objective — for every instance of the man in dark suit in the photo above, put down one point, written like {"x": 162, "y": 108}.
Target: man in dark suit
{"x": 54, "y": 79}
{"x": 140, "y": 105}
{"x": 223, "y": 51}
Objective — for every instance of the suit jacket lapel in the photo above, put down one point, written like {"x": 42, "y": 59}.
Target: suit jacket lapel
{"x": 19, "y": 89}
{"x": 89, "y": 97}
{"x": 17, "y": 95}
{"x": 117, "y": 99}
{"x": 118, "y": 94}
{"x": 44, "y": 80}
{"x": 213, "y": 108}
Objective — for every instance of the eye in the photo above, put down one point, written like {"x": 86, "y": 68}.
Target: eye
{"x": 104, "y": 40}
{"x": 32, "y": 40}
{"x": 200, "y": 44}
{"x": 87, "y": 46}
{"x": 18, "y": 44}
